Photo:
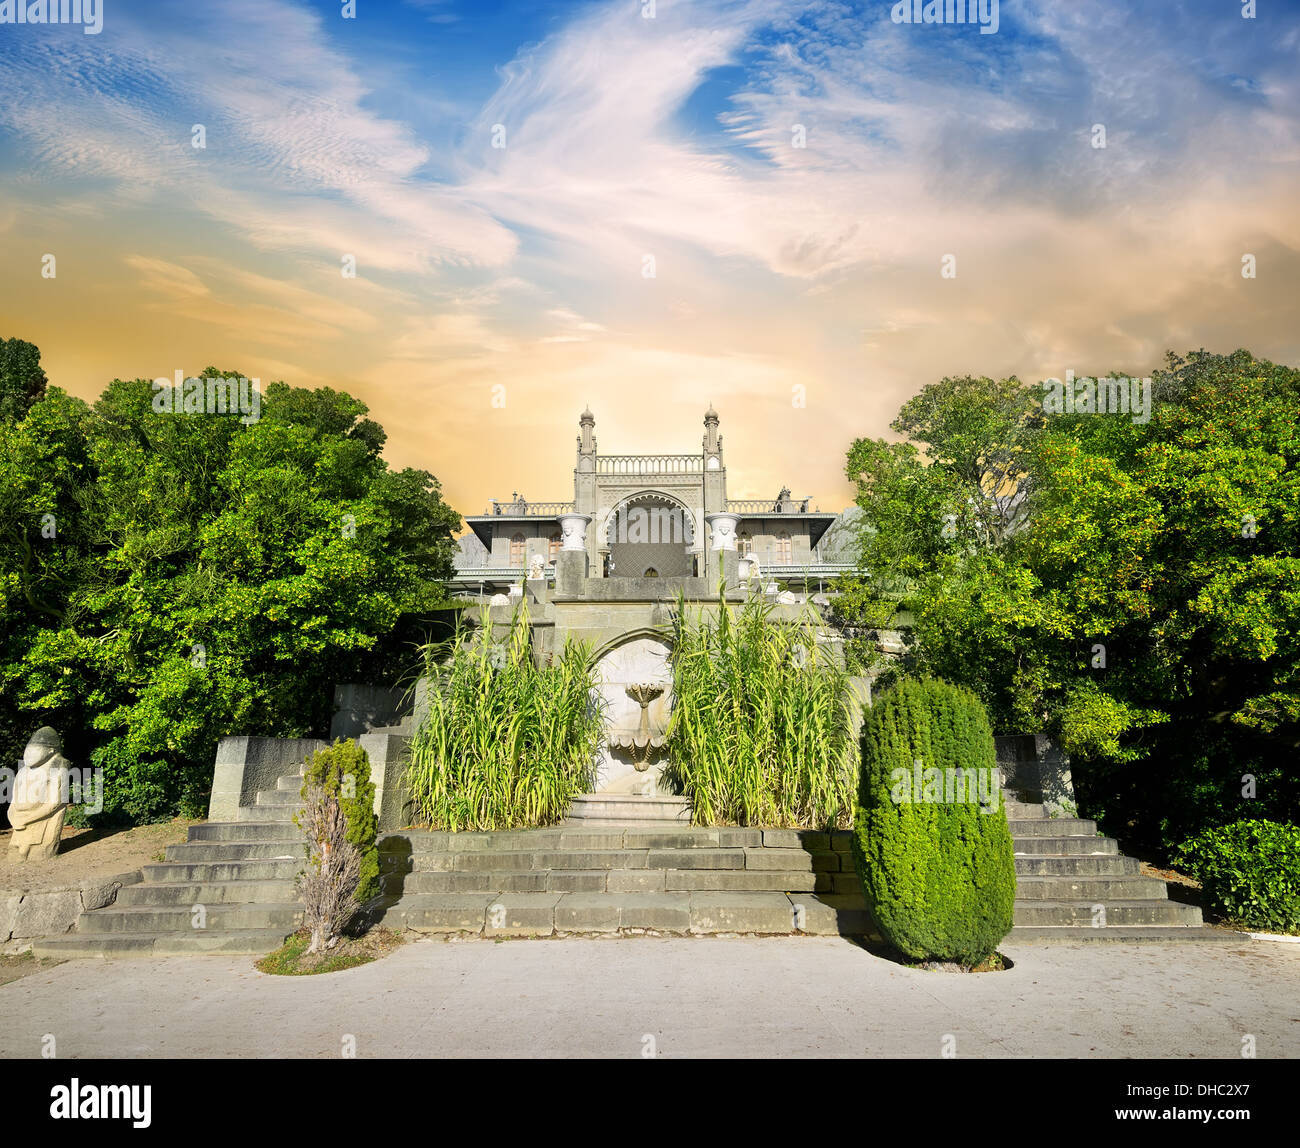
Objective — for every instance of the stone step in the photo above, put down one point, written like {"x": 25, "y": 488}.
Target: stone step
{"x": 279, "y": 798}
{"x": 519, "y": 860}
{"x": 1052, "y": 827}
{"x": 630, "y": 807}
{"x": 610, "y": 837}
{"x": 1083, "y": 846}
{"x": 1125, "y": 934}
{"x": 1020, "y": 811}
{"x": 279, "y": 813}
{"x": 613, "y": 881}
{"x": 1092, "y": 889}
{"x": 289, "y": 783}
{"x": 243, "y": 831}
{"x": 544, "y": 914}
{"x": 236, "y": 942}
{"x": 285, "y": 916}
{"x": 191, "y": 852}
{"x": 1103, "y": 865}
{"x": 213, "y": 872}
{"x": 1078, "y": 915}
{"x": 190, "y": 893}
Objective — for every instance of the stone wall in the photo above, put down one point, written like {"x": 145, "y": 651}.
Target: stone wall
{"x": 26, "y": 916}
{"x": 1036, "y": 769}
{"x": 359, "y": 708}
{"x": 246, "y": 764}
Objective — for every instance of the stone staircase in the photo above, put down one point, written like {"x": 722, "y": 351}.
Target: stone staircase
{"x": 1072, "y": 884}
{"x": 622, "y": 878}
{"x": 230, "y": 887}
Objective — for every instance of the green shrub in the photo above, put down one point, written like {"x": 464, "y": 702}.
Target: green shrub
{"x": 761, "y": 731}
{"x": 343, "y": 771}
{"x": 1249, "y": 871}
{"x": 506, "y": 743}
{"x": 938, "y": 872}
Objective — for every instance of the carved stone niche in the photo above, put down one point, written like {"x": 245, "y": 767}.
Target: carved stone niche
{"x": 636, "y": 688}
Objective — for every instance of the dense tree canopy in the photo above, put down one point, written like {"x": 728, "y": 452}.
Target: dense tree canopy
{"x": 172, "y": 578}
{"x": 1132, "y": 588}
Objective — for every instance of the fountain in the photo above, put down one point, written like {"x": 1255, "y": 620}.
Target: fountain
{"x": 643, "y": 693}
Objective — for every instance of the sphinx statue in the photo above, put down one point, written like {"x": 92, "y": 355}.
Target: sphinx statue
{"x": 40, "y": 797}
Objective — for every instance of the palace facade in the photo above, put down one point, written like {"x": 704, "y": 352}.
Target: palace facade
{"x": 649, "y": 516}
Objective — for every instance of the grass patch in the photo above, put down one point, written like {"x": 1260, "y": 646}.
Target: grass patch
{"x": 995, "y": 963}
{"x": 292, "y": 959}
{"x": 23, "y": 964}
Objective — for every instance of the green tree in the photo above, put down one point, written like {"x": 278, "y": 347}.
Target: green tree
{"x": 22, "y": 382}
{"x": 209, "y": 577}
{"x": 1143, "y": 604}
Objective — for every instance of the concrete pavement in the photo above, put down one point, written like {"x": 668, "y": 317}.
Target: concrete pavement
{"x": 678, "y": 997}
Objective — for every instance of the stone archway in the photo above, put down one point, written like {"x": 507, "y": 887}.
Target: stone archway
{"x": 630, "y": 673}
{"x": 651, "y": 531}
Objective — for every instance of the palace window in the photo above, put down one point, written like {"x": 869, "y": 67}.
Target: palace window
{"x": 555, "y": 546}
{"x": 517, "y": 550}
{"x": 783, "y": 548}
{"x": 745, "y": 542}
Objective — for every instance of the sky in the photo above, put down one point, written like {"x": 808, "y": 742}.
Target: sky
{"x": 506, "y": 176}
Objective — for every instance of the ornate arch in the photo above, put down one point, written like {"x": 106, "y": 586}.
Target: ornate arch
{"x": 691, "y": 528}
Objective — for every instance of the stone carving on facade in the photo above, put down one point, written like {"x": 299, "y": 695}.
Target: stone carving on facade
{"x": 536, "y": 566}
{"x": 40, "y": 797}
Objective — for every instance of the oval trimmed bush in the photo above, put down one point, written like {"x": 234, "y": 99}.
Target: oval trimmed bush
{"x": 1249, "y": 872}
{"x": 937, "y": 868}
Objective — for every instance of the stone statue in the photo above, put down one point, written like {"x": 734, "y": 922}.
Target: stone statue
{"x": 40, "y": 797}
{"x": 536, "y": 567}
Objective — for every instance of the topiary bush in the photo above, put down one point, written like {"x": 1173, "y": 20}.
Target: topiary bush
{"x": 343, "y": 772}
{"x": 1249, "y": 872}
{"x": 930, "y": 832}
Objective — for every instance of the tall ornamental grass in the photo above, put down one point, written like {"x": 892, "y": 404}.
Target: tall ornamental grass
{"x": 506, "y": 743}
{"x": 761, "y": 730}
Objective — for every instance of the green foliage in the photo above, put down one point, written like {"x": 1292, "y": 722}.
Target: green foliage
{"x": 1250, "y": 873}
{"x": 761, "y": 727}
{"x": 198, "y": 577}
{"x": 506, "y": 743}
{"x": 343, "y": 772}
{"x": 939, "y": 875}
{"x": 22, "y": 382}
{"x": 1132, "y": 589}
{"x": 1090, "y": 722}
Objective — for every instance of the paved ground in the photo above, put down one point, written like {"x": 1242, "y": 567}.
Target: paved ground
{"x": 747, "y": 997}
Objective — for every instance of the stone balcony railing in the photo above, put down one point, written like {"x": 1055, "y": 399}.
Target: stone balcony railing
{"x": 650, "y": 464}
{"x": 525, "y": 509}
{"x": 768, "y": 506}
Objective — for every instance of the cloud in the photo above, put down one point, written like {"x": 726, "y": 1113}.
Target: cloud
{"x": 294, "y": 160}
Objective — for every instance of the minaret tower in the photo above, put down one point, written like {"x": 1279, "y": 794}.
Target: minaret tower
{"x": 715, "y": 479}
{"x": 584, "y": 480}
